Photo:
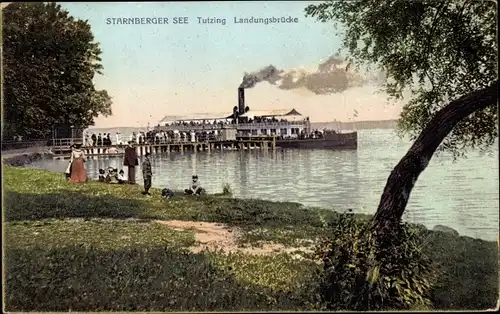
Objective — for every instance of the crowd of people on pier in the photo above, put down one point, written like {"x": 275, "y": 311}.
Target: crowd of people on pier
{"x": 150, "y": 137}
{"x": 170, "y": 137}
{"x": 101, "y": 139}
{"x": 76, "y": 172}
{"x": 165, "y": 135}
{"x": 226, "y": 121}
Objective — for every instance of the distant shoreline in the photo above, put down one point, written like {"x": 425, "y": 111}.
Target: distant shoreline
{"x": 357, "y": 125}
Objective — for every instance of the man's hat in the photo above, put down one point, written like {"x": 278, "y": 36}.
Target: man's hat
{"x": 195, "y": 176}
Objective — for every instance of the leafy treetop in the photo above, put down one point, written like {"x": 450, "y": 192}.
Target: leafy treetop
{"x": 437, "y": 50}
{"x": 50, "y": 59}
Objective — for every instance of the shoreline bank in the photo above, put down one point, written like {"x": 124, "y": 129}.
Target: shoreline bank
{"x": 20, "y": 159}
{"x": 25, "y": 156}
{"x": 49, "y": 219}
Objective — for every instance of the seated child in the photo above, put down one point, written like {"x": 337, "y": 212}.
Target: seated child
{"x": 110, "y": 175}
{"x": 102, "y": 177}
{"x": 121, "y": 177}
{"x": 194, "y": 187}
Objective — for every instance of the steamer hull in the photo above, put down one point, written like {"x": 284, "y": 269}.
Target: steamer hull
{"x": 330, "y": 141}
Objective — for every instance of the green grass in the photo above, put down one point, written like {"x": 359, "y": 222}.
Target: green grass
{"x": 106, "y": 235}
{"x": 93, "y": 247}
{"x": 44, "y": 195}
{"x": 138, "y": 279}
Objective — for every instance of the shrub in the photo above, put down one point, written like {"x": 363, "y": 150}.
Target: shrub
{"x": 358, "y": 275}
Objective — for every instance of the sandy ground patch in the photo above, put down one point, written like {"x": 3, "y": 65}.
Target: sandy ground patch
{"x": 216, "y": 236}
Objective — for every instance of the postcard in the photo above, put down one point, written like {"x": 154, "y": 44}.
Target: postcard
{"x": 250, "y": 156}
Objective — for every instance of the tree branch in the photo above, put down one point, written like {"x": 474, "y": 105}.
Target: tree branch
{"x": 402, "y": 179}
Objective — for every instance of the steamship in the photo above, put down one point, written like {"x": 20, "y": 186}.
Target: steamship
{"x": 292, "y": 130}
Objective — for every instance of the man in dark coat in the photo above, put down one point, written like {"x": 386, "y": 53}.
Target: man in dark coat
{"x": 130, "y": 160}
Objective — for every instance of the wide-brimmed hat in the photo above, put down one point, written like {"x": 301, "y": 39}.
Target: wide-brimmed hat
{"x": 195, "y": 176}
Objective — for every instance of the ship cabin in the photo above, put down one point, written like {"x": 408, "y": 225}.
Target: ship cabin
{"x": 195, "y": 122}
{"x": 283, "y": 123}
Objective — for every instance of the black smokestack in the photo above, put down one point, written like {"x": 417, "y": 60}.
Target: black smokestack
{"x": 241, "y": 100}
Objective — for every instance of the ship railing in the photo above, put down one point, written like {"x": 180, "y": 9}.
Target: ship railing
{"x": 198, "y": 127}
{"x": 270, "y": 125}
{"x": 211, "y": 127}
{"x": 163, "y": 141}
{"x": 261, "y": 137}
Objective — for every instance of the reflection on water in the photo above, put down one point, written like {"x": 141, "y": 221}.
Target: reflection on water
{"x": 462, "y": 195}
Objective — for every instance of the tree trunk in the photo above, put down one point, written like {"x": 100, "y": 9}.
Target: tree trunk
{"x": 403, "y": 177}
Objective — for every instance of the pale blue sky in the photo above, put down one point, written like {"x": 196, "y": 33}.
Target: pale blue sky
{"x": 167, "y": 69}
{"x": 222, "y": 53}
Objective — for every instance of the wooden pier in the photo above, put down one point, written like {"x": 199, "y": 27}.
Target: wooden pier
{"x": 243, "y": 143}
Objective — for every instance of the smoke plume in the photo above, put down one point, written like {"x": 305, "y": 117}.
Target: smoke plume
{"x": 332, "y": 76}
{"x": 269, "y": 74}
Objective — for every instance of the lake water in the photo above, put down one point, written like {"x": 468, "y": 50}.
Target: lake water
{"x": 462, "y": 194}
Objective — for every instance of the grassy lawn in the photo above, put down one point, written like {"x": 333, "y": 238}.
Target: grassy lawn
{"x": 95, "y": 247}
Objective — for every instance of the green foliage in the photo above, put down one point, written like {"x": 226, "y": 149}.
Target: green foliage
{"x": 226, "y": 189}
{"x": 280, "y": 273}
{"x": 469, "y": 279}
{"x": 45, "y": 217}
{"x": 98, "y": 233}
{"x": 139, "y": 279}
{"x": 359, "y": 275}
{"x": 436, "y": 50}
{"x": 35, "y": 194}
{"x": 49, "y": 63}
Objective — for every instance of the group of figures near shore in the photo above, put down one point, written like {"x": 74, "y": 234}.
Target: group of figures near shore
{"x": 76, "y": 172}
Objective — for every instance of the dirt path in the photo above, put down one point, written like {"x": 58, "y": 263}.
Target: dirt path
{"x": 214, "y": 236}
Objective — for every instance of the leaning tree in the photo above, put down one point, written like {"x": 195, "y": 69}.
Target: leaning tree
{"x": 442, "y": 54}
{"x": 49, "y": 63}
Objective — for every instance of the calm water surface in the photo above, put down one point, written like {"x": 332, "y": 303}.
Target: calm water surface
{"x": 462, "y": 194}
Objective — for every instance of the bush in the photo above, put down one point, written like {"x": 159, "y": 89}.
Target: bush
{"x": 359, "y": 275}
